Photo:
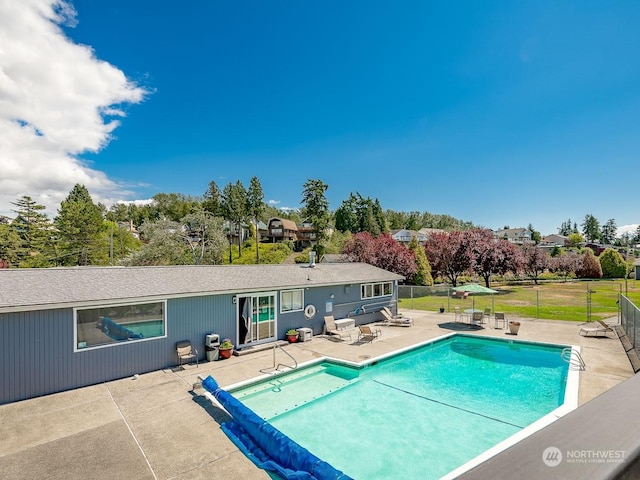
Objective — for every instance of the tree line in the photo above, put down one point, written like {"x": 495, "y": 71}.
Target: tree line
{"x": 179, "y": 229}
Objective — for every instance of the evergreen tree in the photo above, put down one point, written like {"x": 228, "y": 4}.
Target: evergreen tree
{"x": 591, "y": 228}
{"x": 234, "y": 208}
{"x": 316, "y": 210}
{"x": 423, "y": 272}
{"x": 80, "y": 227}
{"x": 612, "y": 264}
{"x": 255, "y": 208}
{"x": 212, "y": 202}
{"x": 34, "y": 229}
{"x": 608, "y": 232}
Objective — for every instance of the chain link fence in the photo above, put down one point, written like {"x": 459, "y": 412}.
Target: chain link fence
{"x": 573, "y": 300}
{"x": 630, "y": 321}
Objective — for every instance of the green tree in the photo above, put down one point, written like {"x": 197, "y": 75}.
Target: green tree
{"x": 423, "y": 272}
{"x": 164, "y": 244}
{"x": 591, "y": 228}
{"x": 174, "y": 206}
{"x": 10, "y": 245}
{"x": 80, "y": 229}
{"x": 121, "y": 241}
{"x": 566, "y": 228}
{"x": 575, "y": 239}
{"x": 613, "y": 264}
{"x": 608, "y": 232}
{"x": 316, "y": 210}
{"x": 234, "y": 208}
{"x": 535, "y": 235}
{"x": 255, "y": 208}
{"x": 35, "y": 232}
{"x": 212, "y": 201}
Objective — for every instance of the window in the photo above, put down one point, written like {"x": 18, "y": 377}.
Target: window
{"x": 115, "y": 324}
{"x": 372, "y": 290}
{"x": 291, "y": 301}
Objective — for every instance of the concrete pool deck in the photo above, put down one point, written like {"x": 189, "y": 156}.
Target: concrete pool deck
{"x": 158, "y": 427}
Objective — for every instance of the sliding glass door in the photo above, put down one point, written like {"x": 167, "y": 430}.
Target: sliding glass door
{"x": 256, "y": 318}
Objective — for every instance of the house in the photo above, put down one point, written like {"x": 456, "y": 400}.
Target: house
{"x": 427, "y": 232}
{"x": 281, "y": 229}
{"x": 64, "y": 328}
{"x": 519, "y": 236}
{"x": 404, "y": 235}
{"x": 554, "y": 240}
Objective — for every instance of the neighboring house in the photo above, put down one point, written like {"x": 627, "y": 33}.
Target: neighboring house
{"x": 637, "y": 269}
{"x": 64, "y": 328}
{"x": 129, "y": 227}
{"x": 404, "y": 235}
{"x": 554, "y": 240}
{"x": 597, "y": 248}
{"x": 233, "y": 231}
{"x": 281, "y": 229}
{"x": 428, "y": 231}
{"x": 306, "y": 235}
{"x": 520, "y": 236}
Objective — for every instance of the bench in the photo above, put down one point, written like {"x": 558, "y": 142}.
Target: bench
{"x": 459, "y": 294}
{"x": 345, "y": 323}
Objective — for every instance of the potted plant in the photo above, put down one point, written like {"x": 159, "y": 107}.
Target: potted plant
{"x": 226, "y": 348}
{"x": 441, "y": 308}
{"x": 514, "y": 326}
{"x": 292, "y": 335}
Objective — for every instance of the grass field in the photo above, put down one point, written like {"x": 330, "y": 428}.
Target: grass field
{"x": 572, "y": 301}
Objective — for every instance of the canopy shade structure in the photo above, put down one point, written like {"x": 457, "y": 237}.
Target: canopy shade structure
{"x": 474, "y": 289}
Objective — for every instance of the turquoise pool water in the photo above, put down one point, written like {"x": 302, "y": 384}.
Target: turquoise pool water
{"x": 418, "y": 415}
{"x": 151, "y": 328}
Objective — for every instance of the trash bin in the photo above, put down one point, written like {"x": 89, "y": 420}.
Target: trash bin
{"x": 212, "y": 346}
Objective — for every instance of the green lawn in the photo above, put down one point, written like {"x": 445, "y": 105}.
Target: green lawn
{"x": 554, "y": 301}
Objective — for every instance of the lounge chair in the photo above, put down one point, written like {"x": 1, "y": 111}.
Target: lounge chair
{"x": 390, "y": 313}
{"x": 185, "y": 351}
{"x": 500, "y": 318}
{"x": 330, "y": 328}
{"x": 458, "y": 313}
{"x": 368, "y": 334}
{"x": 476, "y": 318}
{"x": 487, "y": 315}
{"x": 599, "y": 330}
{"x": 390, "y": 320}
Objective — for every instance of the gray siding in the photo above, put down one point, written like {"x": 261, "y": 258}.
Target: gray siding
{"x": 37, "y": 347}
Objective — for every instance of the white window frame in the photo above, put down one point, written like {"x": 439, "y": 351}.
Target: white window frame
{"x": 116, "y": 343}
{"x": 376, "y": 290}
{"x": 283, "y": 303}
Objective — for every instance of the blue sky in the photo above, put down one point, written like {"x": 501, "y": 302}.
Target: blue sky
{"x": 499, "y": 113}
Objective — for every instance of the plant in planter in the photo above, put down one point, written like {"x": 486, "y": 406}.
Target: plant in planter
{"x": 292, "y": 335}
{"x": 514, "y": 327}
{"x": 226, "y": 348}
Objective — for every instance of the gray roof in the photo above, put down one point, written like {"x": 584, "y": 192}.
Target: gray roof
{"x": 33, "y": 289}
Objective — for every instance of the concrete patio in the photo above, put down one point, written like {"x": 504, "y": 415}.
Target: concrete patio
{"x": 156, "y": 426}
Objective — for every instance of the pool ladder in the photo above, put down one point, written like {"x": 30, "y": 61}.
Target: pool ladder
{"x": 274, "y": 368}
{"x": 573, "y": 358}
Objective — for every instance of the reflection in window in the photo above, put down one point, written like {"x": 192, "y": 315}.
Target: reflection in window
{"x": 372, "y": 290}
{"x": 119, "y": 323}
{"x": 291, "y": 301}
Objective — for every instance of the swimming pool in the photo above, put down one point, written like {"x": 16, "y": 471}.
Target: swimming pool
{"x": 423, "y": 413}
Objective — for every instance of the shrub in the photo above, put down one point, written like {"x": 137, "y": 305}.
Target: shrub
{"x": 612, "y": 263}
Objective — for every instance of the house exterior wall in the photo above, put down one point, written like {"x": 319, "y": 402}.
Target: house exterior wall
{"x": 37, "y": 354}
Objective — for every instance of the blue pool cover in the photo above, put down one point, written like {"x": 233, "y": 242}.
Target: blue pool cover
{"x": 265, "y": 445}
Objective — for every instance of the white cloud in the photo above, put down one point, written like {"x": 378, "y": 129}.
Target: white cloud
{"x": 273, "y": 202}
{"x": 627, "y": 229}
{"x": 57, "y": 100}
